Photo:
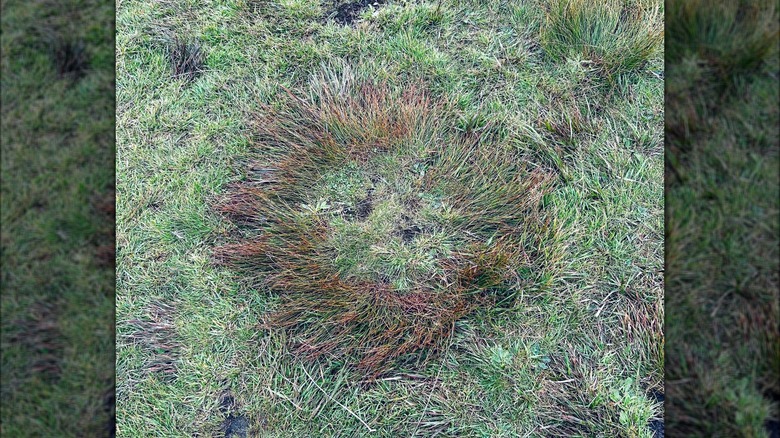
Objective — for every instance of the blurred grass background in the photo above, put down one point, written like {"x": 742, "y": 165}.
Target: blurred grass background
{"x": 723, "y": 341}
{"x": 57, "y": 234}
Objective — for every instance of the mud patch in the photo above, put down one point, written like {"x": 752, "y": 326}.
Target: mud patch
{"x": 773, "y": 428}
{"x": 408, "y": 234}
{"x": 235, "y": 425}
{"x": 362, "y": 209}
{"x": 408, "y": 230}
{"x": 772, "y": 425}
{"x": 347, "y": 13}
{"x": 109, "y": 407}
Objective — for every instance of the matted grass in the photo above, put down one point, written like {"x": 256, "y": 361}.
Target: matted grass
{"x": 577, "y": 349}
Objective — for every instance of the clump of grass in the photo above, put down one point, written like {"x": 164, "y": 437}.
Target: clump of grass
{"x": 70, "y": 58}
{"x": 39, "y": 334}
{"x": 615, "y": 36}
{"x": 186, "y": 57}
{"x": 383, "y": 224}
{"x": 713, "y": 45}
{"x": 156, "y": 334}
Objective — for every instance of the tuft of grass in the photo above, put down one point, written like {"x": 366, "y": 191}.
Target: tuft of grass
{"x": 70, "y": 58}
{"x": 441, "y": 223}
{"x": 186, "y": 58}
{"x": 713, "y": 48}
{"x": 733, "y": 37}
{"x": 40, "y": 336}
{"x": 156, "y": 335}
{"x": 615, "y": 36}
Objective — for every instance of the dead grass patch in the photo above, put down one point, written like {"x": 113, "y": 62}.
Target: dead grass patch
{"x": 156, "y": 334}
{"x": 39, "y": 334}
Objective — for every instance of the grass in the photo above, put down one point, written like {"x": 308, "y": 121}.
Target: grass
{"x": 722, "y": 219}
{"x": 186, "y": 58}
{"x": 616, "y": 36}
{"x": 380, "y": 226}
{"x": 718, "y": 46}
{"x": 57, "y": 219}
{"x": 576, "y": 350}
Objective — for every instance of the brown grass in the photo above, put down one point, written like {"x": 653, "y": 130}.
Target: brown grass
{"x": 39, "y": 333}
{"x": 371, "y": 324}
{"x": 156, "y": 334}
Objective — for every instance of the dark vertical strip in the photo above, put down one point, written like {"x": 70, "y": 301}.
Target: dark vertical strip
{"x": 722, "y": 346}
{"x": 57, "y": 234}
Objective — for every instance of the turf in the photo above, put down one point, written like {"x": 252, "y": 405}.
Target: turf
{"x": 57, "y": 219}
{"x": 578, "y": 352}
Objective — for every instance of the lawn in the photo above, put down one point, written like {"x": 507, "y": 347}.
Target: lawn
{"x": 57, "y": 219}
{"x": 558, "y": 105}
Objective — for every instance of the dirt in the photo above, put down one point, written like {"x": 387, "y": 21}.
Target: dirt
{"x": 656, "y": 425}
{"x": 362, "y": 209}
{"x": 408, "y": 230}
{"x": 234, "y": 426}
{"x": 408, "y": 234}
{"x": 347, "y": 13}
{"x": 109, "y": 407}
{"x": 773, "y": 425}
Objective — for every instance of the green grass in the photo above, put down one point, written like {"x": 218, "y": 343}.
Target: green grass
{"x": 722, "y": 219}
{"x": 615, "y": 36}
{"x": 57, "y": 219}
{"x": 578, "y": 350}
